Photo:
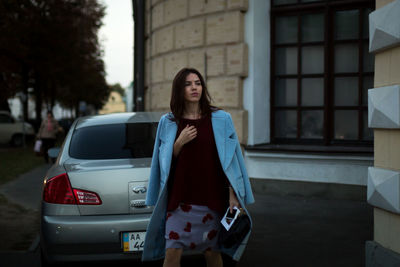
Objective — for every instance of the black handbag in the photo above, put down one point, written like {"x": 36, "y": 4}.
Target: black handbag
{"x": 236, "y": 233}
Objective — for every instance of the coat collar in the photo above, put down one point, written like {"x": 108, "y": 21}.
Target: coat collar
{"x": 224, "y": 137}
{"x": 170, "y": 130}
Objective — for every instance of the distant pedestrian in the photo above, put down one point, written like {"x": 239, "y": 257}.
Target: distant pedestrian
{"x": 197, "y": 172}
{"x": 48, "y": 133}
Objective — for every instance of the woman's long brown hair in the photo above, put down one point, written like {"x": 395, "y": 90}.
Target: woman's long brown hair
{"x": 177, "y": 103}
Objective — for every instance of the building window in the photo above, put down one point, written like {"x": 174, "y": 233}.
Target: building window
{"x": 321, "y": 70}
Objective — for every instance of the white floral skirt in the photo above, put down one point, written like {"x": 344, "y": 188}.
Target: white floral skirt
{"x": 192, "y": 227}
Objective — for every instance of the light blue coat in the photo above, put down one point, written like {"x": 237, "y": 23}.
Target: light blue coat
{"x": 232, "y": 162}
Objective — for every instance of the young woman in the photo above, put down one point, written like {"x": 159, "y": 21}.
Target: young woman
{"x": 197, "y": 172}
{"x": 48, "y": 133}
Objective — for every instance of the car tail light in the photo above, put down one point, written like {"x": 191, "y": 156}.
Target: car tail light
{"x": 58, "y": 190}
{"x": 86, "y": 197}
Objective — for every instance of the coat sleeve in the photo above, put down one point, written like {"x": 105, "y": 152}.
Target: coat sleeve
{"x": 154, "y": 180}
{"x": 248, "y": 198}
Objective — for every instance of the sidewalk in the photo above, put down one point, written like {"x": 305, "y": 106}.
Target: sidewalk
{"x": 26, "y": 192}
{"x": 26, "y": 189}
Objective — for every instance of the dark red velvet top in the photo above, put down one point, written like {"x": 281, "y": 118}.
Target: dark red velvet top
{"x": 197, "y": 176}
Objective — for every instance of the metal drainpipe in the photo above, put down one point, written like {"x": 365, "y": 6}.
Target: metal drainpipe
{"x": 139, "y": 50}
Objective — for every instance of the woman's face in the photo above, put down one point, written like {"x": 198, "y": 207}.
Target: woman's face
{"x": 193, "y": 89}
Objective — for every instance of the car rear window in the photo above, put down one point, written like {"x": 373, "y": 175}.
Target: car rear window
{"x": 114, "y": 141}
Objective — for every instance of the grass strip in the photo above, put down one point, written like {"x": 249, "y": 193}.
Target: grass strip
{"x": 15, "y": 161}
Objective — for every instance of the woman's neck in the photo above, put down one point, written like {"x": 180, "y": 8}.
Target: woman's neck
{"x": 192, "y": 111}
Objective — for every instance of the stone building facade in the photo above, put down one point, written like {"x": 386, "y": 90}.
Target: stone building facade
{"x": 234, "y": 44}
{"x": 204, "y": 34}
{"x": 262, "y": 59}
{"x": 384, "y": 117}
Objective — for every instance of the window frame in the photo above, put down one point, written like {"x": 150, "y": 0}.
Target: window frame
{"x": 328, "y": 8}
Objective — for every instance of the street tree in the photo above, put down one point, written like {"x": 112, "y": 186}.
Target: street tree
{"x": 52, "y": 47}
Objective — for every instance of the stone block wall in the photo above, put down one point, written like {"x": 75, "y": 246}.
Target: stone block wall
{"x": 384, "y": 100}
{"x": 204, "y": 34}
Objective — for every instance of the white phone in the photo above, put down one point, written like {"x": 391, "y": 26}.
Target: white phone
{"x": 230, "y": 217}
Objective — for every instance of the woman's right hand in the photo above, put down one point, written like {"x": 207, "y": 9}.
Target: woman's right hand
{"x": 187, "y": 134}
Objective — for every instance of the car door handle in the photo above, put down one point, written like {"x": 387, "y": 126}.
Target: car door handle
{"x": 139, "y": 189}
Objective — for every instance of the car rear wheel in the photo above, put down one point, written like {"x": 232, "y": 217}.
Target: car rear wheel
{"x": 17, "y": 140}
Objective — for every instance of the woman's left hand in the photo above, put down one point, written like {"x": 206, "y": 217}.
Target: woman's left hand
{"x": 233, "y": 201}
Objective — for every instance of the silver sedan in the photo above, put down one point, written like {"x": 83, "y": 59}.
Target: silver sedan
{"x": 93, "y": 205}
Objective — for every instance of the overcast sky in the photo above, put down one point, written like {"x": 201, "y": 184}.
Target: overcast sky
{"x": 116, "y": 37}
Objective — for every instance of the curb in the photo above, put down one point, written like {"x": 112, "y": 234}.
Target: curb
{"x": 35, "y": 244}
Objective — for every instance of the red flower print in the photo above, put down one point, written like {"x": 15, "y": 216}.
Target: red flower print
{"x": 168, "y": 215}
{"x": 207, "y": 217}
{"x": 173, "y": 235}
{"x": 192, "y": 245}
{"x": 186, "y": 207}
{"x": 212, "y": 234}
{"x": 188, "y": 227}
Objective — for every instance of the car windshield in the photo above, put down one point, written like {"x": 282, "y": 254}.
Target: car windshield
{"x": 114, "y": 141}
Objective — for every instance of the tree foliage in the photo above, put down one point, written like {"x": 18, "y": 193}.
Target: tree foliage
{"x": 118, "y": 88}
{"x": 52, "y": 47}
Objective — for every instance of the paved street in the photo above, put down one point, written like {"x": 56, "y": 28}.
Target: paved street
{"x": 288, "y": 231}
{"x": 298, "y": 231}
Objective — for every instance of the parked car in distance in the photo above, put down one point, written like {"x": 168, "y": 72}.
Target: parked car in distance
{"x": 11, "y": 130}
{"x": 93, "y": 205}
